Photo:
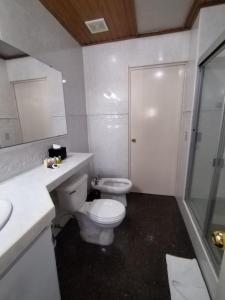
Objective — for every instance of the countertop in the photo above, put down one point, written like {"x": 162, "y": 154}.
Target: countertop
{"x": 33, "y": 209}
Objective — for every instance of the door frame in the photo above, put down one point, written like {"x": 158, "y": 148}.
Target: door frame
{"x": 152, "y": 66}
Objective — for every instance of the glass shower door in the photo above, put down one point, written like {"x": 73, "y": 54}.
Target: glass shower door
{"x": 206, "y": 183}
{"x": 217, "y": 217}
{"x": 206, "y": 140}
{"x": 216, "y": 209}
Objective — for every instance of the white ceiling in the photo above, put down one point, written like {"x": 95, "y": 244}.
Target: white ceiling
{"x": 156, "y": 15}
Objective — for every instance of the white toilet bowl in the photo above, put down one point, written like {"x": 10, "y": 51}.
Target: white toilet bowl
{"x": 96, "y": 219}
{"x": 113, "y": 188}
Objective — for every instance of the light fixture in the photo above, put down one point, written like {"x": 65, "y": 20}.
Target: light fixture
{"x": 97, "y": 25}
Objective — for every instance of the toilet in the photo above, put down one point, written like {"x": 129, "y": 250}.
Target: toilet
{"x": 97, "y": 219}
{"x": 113, "y": 188}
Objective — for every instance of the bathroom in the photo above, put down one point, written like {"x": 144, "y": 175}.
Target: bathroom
{"x": 66, "y": 232}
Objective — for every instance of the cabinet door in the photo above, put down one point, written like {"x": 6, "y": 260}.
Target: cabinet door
{"x": 34, "y": 275}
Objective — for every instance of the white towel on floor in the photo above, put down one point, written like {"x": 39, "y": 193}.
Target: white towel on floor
{"x": 185, "y": 279}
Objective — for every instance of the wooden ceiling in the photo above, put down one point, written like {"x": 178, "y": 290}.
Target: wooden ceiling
{"x": 119, "y": 15}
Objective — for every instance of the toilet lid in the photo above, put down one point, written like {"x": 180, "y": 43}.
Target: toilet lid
{"x": 106, "y": 209}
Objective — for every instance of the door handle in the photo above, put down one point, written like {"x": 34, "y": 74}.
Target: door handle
{"x": 133, "y": 140}
{"x": 218, "y": 239}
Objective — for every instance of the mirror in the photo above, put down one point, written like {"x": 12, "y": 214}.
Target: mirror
{"x": 31, "y": 99}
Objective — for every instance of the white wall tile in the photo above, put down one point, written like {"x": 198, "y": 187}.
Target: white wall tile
{"x": 158, "y": 49}
{"x": 191, "y": 70}
{"x": 106, "y": 79}
{"x": 18, "y": 159}
{"x": 106, "y": 70}
{"x": 108, "y": 140}
{"x": 212, "y": 25}
{"x": 78, "y": 141}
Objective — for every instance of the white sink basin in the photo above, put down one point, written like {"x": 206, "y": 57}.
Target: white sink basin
{"x": 5, "y": 212}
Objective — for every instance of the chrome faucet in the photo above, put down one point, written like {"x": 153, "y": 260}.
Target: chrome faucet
{"x": 96, "y": 180}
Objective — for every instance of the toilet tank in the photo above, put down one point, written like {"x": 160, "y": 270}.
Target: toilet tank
{"x": 73, "y": 193}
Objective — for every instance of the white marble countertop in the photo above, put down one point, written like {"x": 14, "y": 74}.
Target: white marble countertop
{"x": 33, "y": 209}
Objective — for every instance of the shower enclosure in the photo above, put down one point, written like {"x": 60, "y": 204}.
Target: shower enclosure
{"x": 205, "y": 193}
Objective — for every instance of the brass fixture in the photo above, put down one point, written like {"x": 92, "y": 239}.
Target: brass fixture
{"x": 218, "y": 239}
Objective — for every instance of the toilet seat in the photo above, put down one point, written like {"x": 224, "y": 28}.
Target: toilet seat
{"x": 106, "y": 211}
{"x": 113, "y": 185}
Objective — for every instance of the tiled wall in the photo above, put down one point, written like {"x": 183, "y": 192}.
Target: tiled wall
{"x": 211, "y": 26}
{"x": 106, "y": 84}
{"x": 28, "y": 26}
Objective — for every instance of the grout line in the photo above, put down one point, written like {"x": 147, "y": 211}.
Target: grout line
{"x": 114, "y": 114}
{"x": 9, "y": 118}
{"x": 75, "y": 115}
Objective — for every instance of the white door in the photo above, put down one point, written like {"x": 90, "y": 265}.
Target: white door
{"x": 33, "y": 108}
{"x": 155, "y": 108}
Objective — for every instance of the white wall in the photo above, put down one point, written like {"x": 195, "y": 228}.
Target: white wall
{"x": 211, "y": 26}
{"x": 106, "y": 84}
{"x": 206, "y": 30}
{"x": 28, "y": 26}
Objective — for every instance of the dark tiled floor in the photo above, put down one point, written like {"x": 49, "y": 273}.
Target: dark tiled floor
{"x": 134, "y": 267}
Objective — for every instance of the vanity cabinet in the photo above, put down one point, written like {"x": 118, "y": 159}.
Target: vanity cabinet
{"x": 27, "y": 258}
{"x": 33, "y": 276}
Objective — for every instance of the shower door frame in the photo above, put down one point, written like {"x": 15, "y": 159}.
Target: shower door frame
{"x": 204, "y": 230}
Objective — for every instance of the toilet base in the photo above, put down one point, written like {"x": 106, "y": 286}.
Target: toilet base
{"x": 121, "y": 197}
{"x": 94, "y": 233}
{"x": 103, "y": 238}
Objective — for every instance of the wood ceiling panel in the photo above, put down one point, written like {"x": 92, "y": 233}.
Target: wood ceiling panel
{"x": 118, "y": 14}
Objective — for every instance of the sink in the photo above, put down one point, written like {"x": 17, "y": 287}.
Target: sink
{"x": 5, "y": 212}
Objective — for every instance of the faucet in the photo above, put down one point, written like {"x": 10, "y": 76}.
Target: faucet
{"x": 96, "y": 179}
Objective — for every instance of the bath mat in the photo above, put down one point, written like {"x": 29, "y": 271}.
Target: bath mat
{"x": 185, "y": 279}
